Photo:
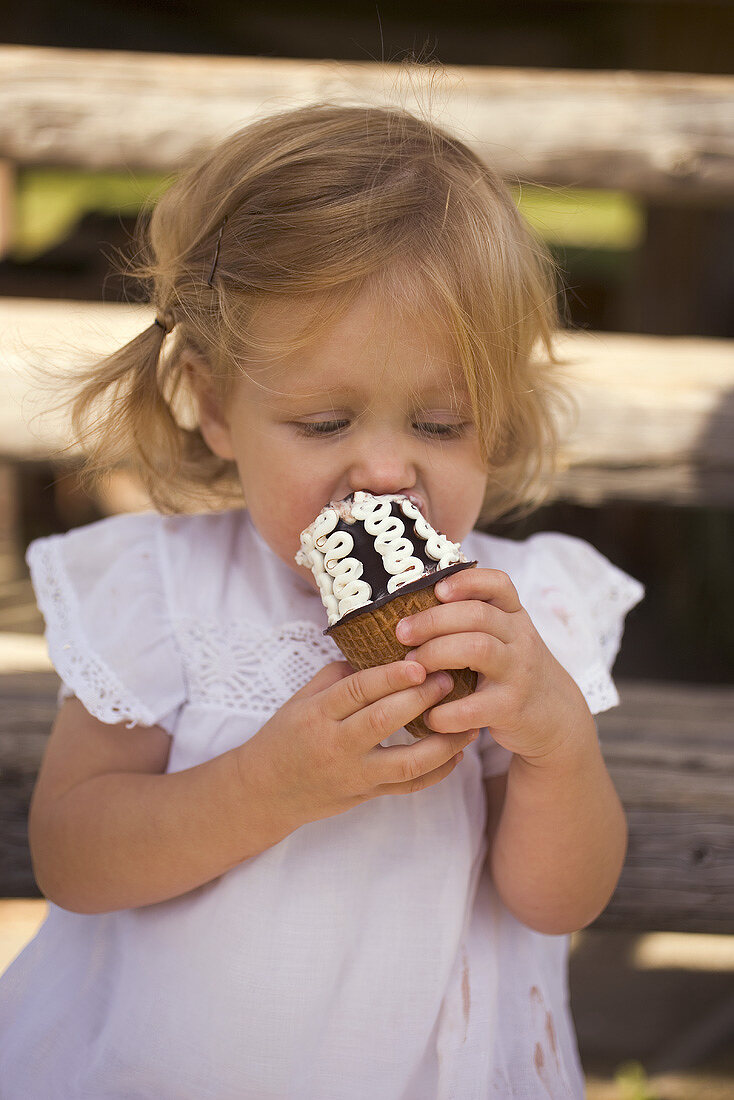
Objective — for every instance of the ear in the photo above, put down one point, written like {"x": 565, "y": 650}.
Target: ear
{"x": 212, "y": 419}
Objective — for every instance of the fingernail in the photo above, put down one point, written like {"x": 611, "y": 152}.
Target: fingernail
{"x": 442, "y": 588}
{"x": 409, "y": 656}
{"x": 444, "y": 680}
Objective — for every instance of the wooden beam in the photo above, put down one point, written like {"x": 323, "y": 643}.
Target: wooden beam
{"x": 655, "y": 419}
{"x": 655, "y": 414}
{"x": 669, "y": 749}
{"x": 26, "y": 717}
{"x": 656, "y": 134}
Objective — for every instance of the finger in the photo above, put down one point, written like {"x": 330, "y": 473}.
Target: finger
{"x": 430, "y": 779}
{"x": 482, "y": 652}
{"x": 455, "y": 618}
{"x": 383, "y": 717}
{"x": 349, "y": 694}
{"x": 327, "y": 676}
{"x": 491, "y": 585}
{"x": 459, "y": 715}
{"x": 404, "y": 769}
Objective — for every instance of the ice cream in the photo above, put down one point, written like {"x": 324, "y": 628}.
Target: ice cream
{"x": 377, "y": 559}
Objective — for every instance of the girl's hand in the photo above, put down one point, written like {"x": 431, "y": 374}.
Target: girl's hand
{"x": 320, "y": 753}
{"x": 523, "y": 694}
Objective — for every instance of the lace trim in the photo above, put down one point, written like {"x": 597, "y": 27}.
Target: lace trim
{"x": 597, "y": 688}
{"x": 595, "y": 602}
{"x": 608, "y": 612}
{"x": 247, "y": 670}
{"x": 250, "y": 670}
{"x": 96, "y": 684}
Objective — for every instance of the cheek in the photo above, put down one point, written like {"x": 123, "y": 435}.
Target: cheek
{"x": 459, "y": 517}
{"x": 463, "y": 488}
{"x": 266, "y": 463}
{"x": 284, "y": 492}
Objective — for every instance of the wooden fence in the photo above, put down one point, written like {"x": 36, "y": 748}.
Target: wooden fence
{"x": 656, "y": 414}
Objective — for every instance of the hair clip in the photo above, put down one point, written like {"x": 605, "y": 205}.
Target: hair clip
{"x": 216, "y": 254}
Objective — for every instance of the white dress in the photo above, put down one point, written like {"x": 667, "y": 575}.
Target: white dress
{"x": 365, "y": 955}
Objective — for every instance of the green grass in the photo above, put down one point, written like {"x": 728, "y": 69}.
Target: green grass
{"x": 632, "y": 1084}
{"x": 49, "y": 201}
{"x": 587, "y": 219}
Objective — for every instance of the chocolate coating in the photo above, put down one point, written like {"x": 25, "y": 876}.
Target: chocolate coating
{"x": 422, "y": 582}
{"x": 373, "y": 569}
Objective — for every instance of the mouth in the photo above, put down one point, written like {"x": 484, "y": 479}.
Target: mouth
{"x": 414, "y": 498}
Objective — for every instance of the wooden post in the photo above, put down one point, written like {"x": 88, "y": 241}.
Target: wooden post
{"x": 7, "y": 207}
{"x": 683, "y": 278}
{"x": 9, "y": 522}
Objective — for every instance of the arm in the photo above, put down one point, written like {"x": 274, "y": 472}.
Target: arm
{"x": 557, "y": 835}
{"x": 108, "y": 830}
{"x": 556, "y": 828}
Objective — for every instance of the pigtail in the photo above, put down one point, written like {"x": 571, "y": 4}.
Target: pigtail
{"x": 119, "y": 406}
{"x": 126, "y": 411}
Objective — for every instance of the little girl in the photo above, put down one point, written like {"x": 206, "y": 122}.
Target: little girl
{"x": 260, "y": 886}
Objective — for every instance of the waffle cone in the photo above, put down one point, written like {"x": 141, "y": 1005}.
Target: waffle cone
{"x": 369, "y": 639}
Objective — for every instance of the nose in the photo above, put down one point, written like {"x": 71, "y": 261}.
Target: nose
{"x": 383, "y": 465}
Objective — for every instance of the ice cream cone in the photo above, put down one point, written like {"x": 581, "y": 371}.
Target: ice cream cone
{"x": 369, "y": 639}
{"x": 377, "y": 559}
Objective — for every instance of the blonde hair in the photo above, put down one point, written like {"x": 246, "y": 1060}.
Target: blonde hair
{"x": 321, "y": 201}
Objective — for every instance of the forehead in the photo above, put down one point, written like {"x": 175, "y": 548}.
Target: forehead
{"x": 371, "y": 346}
{"x": 346, "y": 382}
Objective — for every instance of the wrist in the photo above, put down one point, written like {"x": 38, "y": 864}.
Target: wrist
{"x": 569, "y": 745}
{"x": 260, "y": 811}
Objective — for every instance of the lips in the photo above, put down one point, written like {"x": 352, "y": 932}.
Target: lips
{"x": 414, "y": 498}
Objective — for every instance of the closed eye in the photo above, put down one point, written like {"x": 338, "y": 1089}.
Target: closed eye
{"x": 316, "y": 428}
{"x": 321, "y": 427}
{"x": 442, "y": 431}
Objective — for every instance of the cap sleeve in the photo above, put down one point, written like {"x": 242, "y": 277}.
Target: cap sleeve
{"x": 101, "y": 591}
{"x": 577, "y": 600}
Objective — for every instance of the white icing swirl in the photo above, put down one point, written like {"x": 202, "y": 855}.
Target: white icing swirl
{"x": 327, "y": 552}
{"x": 348, "y": 589}
{"x": 438, "y": 547}
{"x": 396, "y": 551}
{"x": 313, "y": 559}
{"x": 323, "y": 525}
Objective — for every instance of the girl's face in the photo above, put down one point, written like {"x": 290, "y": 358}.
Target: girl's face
{"x": 375, "y": 404}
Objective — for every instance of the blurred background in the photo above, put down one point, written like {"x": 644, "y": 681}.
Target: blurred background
{"x": 639, "y": 213}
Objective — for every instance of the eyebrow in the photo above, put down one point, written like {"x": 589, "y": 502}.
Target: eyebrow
{"x": 337, "y": 395}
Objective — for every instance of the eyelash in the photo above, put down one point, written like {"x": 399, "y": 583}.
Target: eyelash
{"x": 317, "y": 428}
